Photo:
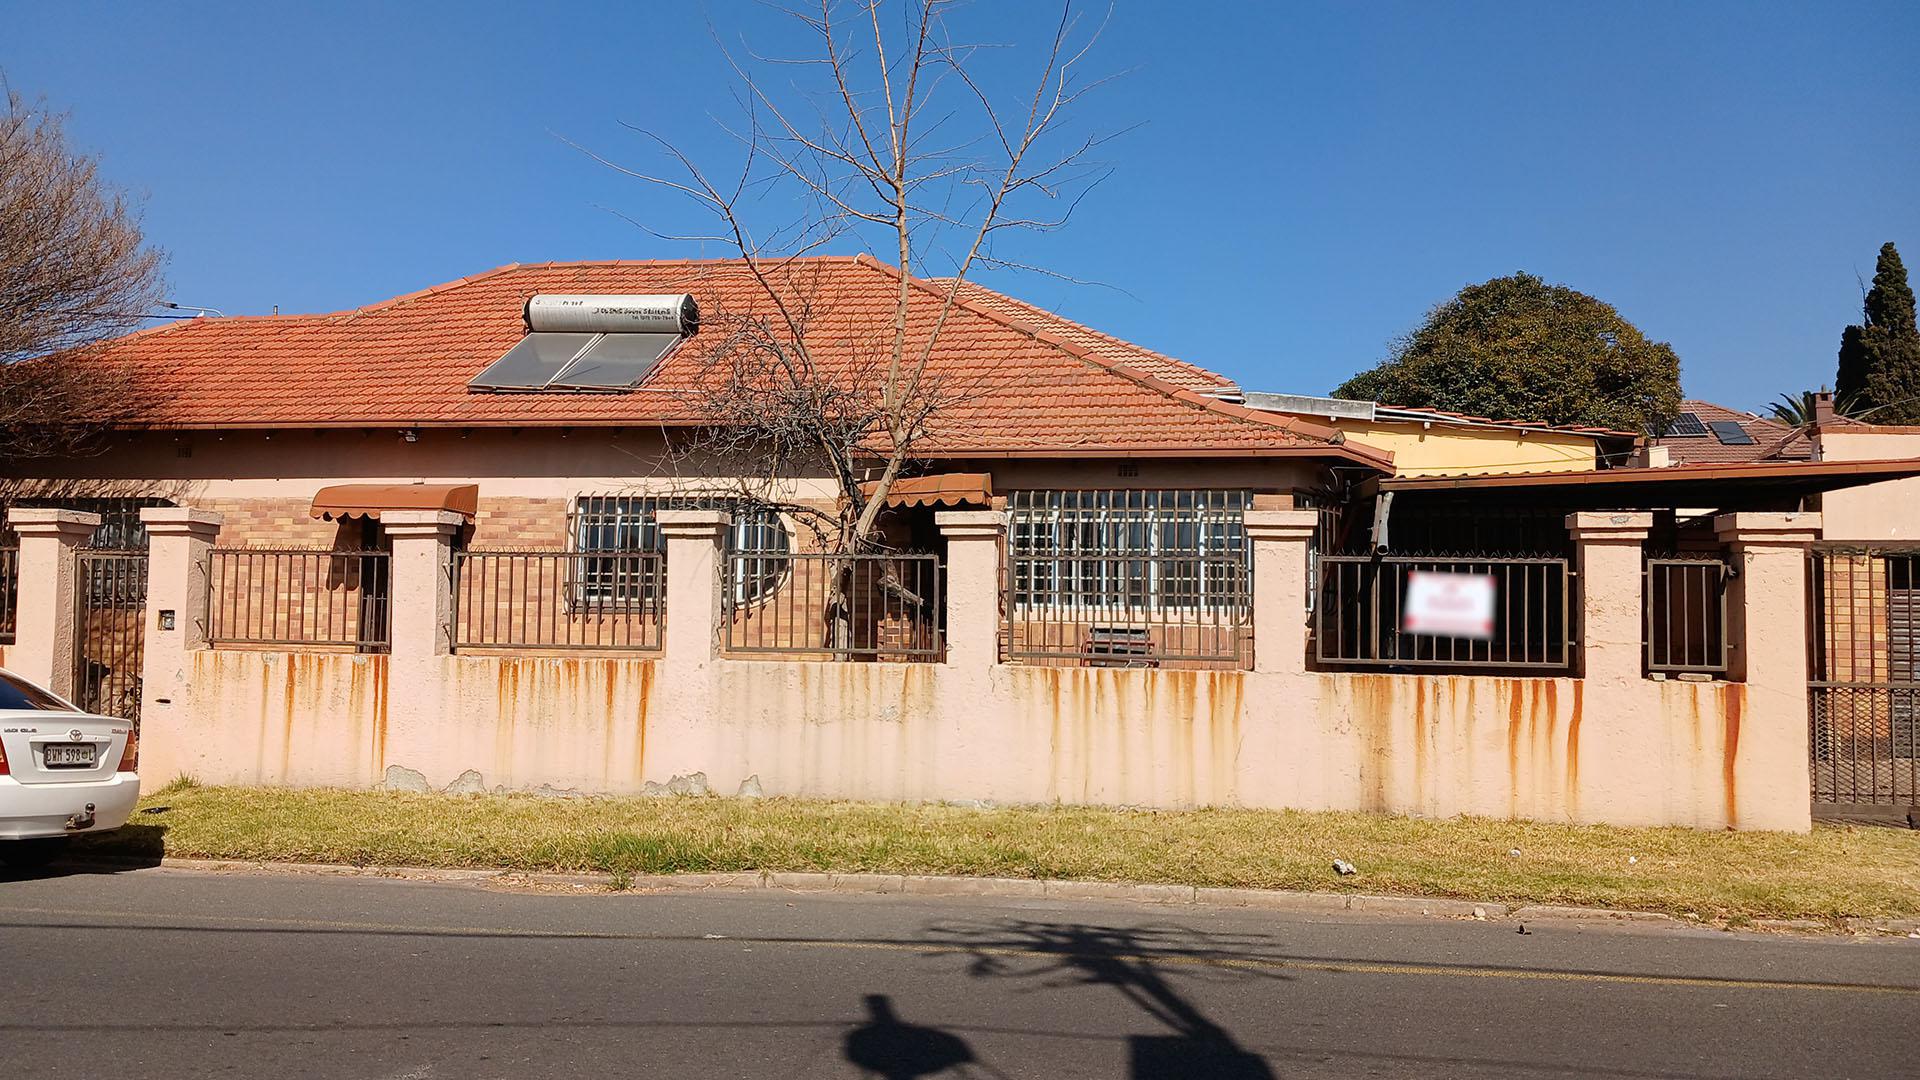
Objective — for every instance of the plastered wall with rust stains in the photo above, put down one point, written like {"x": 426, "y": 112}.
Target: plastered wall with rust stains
{"x": 1668, "y": 753}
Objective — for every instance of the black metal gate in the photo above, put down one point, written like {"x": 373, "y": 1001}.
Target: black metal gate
{"x": 1864, "y": 692}
{"x": 110, "y": 631}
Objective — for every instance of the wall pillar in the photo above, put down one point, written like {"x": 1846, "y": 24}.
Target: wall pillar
{"x": 1768, "y": 775}
{"x": 696, "y": 544}
{"x": 179, "y": 561}
{"x": 1280, "y": 539}
{"x": 1611, "y": 565}
{"x": 420, "y": 589}
{"x": 973, "y": 585}
{"x": 46, "y": 604}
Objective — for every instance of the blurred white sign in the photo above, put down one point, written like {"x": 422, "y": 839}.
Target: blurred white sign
{"x": 1450, "y": 605}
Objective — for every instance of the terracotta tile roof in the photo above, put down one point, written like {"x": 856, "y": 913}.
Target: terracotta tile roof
{"x": 1025, "y": 390}
{"x": 1772, "y": 440}
{"x": 1105, "y": 346}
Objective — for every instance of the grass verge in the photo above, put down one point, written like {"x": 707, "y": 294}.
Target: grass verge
{"x": 1836, "y": 872}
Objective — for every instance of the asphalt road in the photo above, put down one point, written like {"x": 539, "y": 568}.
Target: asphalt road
{"x": 169, "y": 973}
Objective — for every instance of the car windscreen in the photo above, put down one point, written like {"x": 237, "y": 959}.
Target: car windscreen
{"x": 15, "y": 694}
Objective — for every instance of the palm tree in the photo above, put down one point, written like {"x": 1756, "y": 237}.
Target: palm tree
{"x": 1799, "y": 409}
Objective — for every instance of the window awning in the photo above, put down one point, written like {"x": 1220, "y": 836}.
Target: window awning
{"x": 940, "y": 489}
{"x": 369, "y": 500}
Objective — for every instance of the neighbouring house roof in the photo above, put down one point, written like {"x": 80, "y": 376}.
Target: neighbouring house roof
{"x": 1700, "y": 484}
{"x": 1024, "y": 384}
{"x": 1378, "y": 412}
{"x": 1771, "y": 439}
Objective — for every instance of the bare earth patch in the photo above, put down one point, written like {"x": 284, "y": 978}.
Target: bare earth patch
{"x": 1836, "y": 872}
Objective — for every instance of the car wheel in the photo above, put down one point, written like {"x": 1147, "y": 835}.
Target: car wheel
{"x": 29, "y": 854}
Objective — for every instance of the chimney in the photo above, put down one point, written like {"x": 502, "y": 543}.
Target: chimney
{"x": 1823, "y": 407}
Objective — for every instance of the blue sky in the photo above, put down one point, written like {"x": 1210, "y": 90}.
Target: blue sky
{"x": 1299, "y": 184}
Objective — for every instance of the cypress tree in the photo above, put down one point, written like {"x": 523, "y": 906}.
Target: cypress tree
{"x": 1880, "y": 357}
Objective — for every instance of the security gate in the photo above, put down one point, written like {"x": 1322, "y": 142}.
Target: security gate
{"x": 1864, "y": 692}
{"x": 110, "y": 631}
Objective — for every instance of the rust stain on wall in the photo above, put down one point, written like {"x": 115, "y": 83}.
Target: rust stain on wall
{"x": 1512, "y": 690}
{"x": 1573, "y": 747}
{"x": 378, "y": 666}
{"x": 1736, "y": 703}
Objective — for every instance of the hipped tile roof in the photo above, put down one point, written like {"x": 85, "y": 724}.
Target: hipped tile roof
{"x": 1028, "y": 384}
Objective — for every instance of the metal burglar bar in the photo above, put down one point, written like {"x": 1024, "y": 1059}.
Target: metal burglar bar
{"x": 9, "y": 593}
{"x": 111, "y": 631}
{"x": 1129, "y": 578}
{"x": 839, "y": 607}
{"x": 1358, "y": 622}
{"x": 559, "y": 600}
{"x": 271, "y": 596}
{"x": 1685, "y": 610}
{"x": 1864, "y": 695}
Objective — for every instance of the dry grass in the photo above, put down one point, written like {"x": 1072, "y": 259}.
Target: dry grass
{"x": 1833, "y": 873}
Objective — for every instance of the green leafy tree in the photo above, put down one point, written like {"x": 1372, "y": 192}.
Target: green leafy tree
{"x": 1519, "y": 348}
{"x": 1880, "y": 357}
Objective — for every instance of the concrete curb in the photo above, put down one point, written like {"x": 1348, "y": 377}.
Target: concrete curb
{"x": 1320, "y": 903}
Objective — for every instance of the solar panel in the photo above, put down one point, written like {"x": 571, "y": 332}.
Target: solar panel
{"x": 1686, "y": 425}
{"x": 532, "y": 362}
{"x": 615, "y": 361}
{"x": 1731, "y": 433}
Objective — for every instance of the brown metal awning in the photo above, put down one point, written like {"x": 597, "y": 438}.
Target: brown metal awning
{"x": 369, "y": 500}
{"x": 940, "y": 489}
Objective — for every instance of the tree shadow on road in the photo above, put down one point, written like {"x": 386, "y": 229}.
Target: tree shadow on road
{"x": 1134, "y": 962}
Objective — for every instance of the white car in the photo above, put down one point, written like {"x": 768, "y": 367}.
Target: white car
{"x": 62, "y": 772}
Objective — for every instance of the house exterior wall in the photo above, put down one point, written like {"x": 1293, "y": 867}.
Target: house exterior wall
{"x": 263, "y": 483}
{"x": 1442, "y": 449}
{"x": 1887, "y": 512}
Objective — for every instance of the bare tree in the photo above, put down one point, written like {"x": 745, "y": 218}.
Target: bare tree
{"x": 74, "y": 271}
{"x": 889, "y": 135}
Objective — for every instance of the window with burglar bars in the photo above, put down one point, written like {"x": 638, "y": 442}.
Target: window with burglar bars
{"x": 1130, "y": 578}
{"x": 120, "y": 526}
{"x": 614, "y": 524}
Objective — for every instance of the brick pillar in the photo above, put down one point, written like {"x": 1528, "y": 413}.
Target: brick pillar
{"x": 46, "y": 605}
{"x": 179, "y": 562}
{"x": 1280, "y": 539}
{"x": 420, "y": 589}
{"x": 973, "y": 585}
{"x": 1610, "y": 565}
{"x": 1769, "y": 775}
{"x": 696, "y": 543}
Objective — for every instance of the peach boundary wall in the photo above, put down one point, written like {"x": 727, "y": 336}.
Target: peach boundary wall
{"x": 1611, "y": 746}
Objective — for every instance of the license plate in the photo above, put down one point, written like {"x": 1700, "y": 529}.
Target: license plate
{"x": 70, "y": 755}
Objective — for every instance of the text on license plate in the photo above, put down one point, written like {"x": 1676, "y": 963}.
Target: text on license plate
{"x": 70, "y": 755}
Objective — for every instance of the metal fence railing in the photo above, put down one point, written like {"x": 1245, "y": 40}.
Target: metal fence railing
{"x": 530, "y": 600}
{"x": 1864, "y": 690}
{"x": 1684, "y": 611}
{"x": 1361, "y": 619}
{"x": 311, "y": 597}
{"x": 9, "y": 593}
{"x": 835, "y": 606}
{"x": 1130, "y": 610}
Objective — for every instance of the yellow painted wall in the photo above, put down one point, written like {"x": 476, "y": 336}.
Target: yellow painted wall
{"x": 1453, "y": 450}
